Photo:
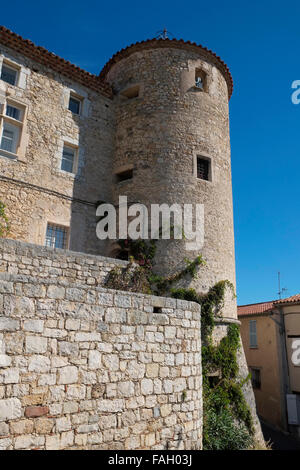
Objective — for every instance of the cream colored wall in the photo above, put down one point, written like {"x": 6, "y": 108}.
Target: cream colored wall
{"x": 266, "y": 358}
{"x": 292, "y": 328}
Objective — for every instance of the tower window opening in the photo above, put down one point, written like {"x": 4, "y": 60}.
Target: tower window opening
{"x": 200, "y": 79}
{"x": 132, "y": 92}
{"x": 157, "y": 310}
{"x": 124, "y": 176}
{"x": 203, "y": 168}
{"x": 255, "y": 378}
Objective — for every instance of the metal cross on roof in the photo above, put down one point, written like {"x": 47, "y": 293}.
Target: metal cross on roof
{"x": 163, "y": 34}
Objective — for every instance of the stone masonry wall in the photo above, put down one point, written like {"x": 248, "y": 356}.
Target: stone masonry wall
{"x": 47, "y": 263}
{"x": 48, "y": 124}
{"x": 82, "y": 367}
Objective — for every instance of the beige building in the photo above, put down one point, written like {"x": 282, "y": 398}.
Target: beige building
{"x": 271, "y": 338}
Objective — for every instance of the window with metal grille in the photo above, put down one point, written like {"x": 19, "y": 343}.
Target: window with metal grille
{"x": 13, "y": 112}
{"x": 68, "y": 159}
{"x": 74, "y": 105}
{"x": 255, "y": 378}
{"x": 56, "y": 236}
{"x": 203, "y": 168}
{"x": 253, "y": 334}
{"x": 9, "y": 74}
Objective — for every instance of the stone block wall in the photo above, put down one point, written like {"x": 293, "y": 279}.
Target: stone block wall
{"x": 83, "y": 367}
{"x": 47, "y": 263}
{"x": 35, "y": 189}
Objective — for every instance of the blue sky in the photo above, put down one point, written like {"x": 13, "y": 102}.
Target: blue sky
{"x": 260, "y": 42}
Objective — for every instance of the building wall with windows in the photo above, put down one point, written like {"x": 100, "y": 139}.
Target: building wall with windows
{"x": 264, "y": 365}
{"x": 54, "y": 161}
{"x": 153, "y": 126}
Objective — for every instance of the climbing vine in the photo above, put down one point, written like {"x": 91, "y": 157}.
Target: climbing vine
{"x": 138, "y": 276}
{"x": 227, "y": 423}
{"x": 4, "y": 222}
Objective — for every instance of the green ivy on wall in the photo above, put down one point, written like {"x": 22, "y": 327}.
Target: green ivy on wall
{"x": 4, "y": 223}
{"x": 227, "y": 420}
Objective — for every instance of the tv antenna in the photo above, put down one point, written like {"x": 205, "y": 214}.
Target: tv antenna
{"x": 281, "y": 290}
{"x": 164, "y": 34}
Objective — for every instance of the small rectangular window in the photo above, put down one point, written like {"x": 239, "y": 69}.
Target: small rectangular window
{"x": 253, "y": 334}
{"x": 74, "y": 105}
{"x": 255, "y": 378}
{"x": 68, "y": 159}
{"x": 124, "y": 176}
{"x": 56, "y": 236}
{"x": 203, "y": 168}
{"x": 200, "y": 79}
{"x": 10, "y": 138}
{"x": 9, "y": 74}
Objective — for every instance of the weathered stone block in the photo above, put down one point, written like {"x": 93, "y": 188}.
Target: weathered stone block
{"x": 35, "y": 344}
{"x": 44, "y": 425}
{"x": 4, "y": 429}
{"x": 110, "y": 406}
{"x": 52, "y": 442}
{"x": 8, "y": 324}
{"x": 68, "y": 349}
{"x": 35, "y": 411}
{"x": 126, "y": 389}
{"x": 24, "y": 426}
{"x": 94, "y": 359}
{"x": 10, "y": 409}
{"x": 36, "y": 326}
{"x": 10, "y": 376}
{"x": 152, "y": 370}
{"x": 111, "y": 361}
{"x": 5, "y": 443}
{"x": 63, "y": 424}
{"x": 39, "y": 364}
{"x": 5, "y": 360}
{"x": 68, "y": 375}
{"x": 147, "y": 386}
{"x": 56, "y": 292}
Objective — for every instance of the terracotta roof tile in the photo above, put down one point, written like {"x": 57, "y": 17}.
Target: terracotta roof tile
{"x": 255, "y": 309}
{"x": 43, "y": 56}
{"x": 292, "y": 299}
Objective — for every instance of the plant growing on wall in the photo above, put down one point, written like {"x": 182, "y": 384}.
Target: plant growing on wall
{"x": 227, "y": 423}
{"x": 4, "y": 222}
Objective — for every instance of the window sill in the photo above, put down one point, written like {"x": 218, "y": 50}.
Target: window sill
{"x": 9, "y": 155}
{"x": 253, "y": 347}
{"x": 124, "y": 181}
{"x": 67, "y": 173}
{"x": 202, "y": 180}
{"x": 75, "y": 115}
{"x": 7, "y": 83}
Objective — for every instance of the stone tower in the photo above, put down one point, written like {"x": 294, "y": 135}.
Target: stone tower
{"x": 172, "y": 145}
